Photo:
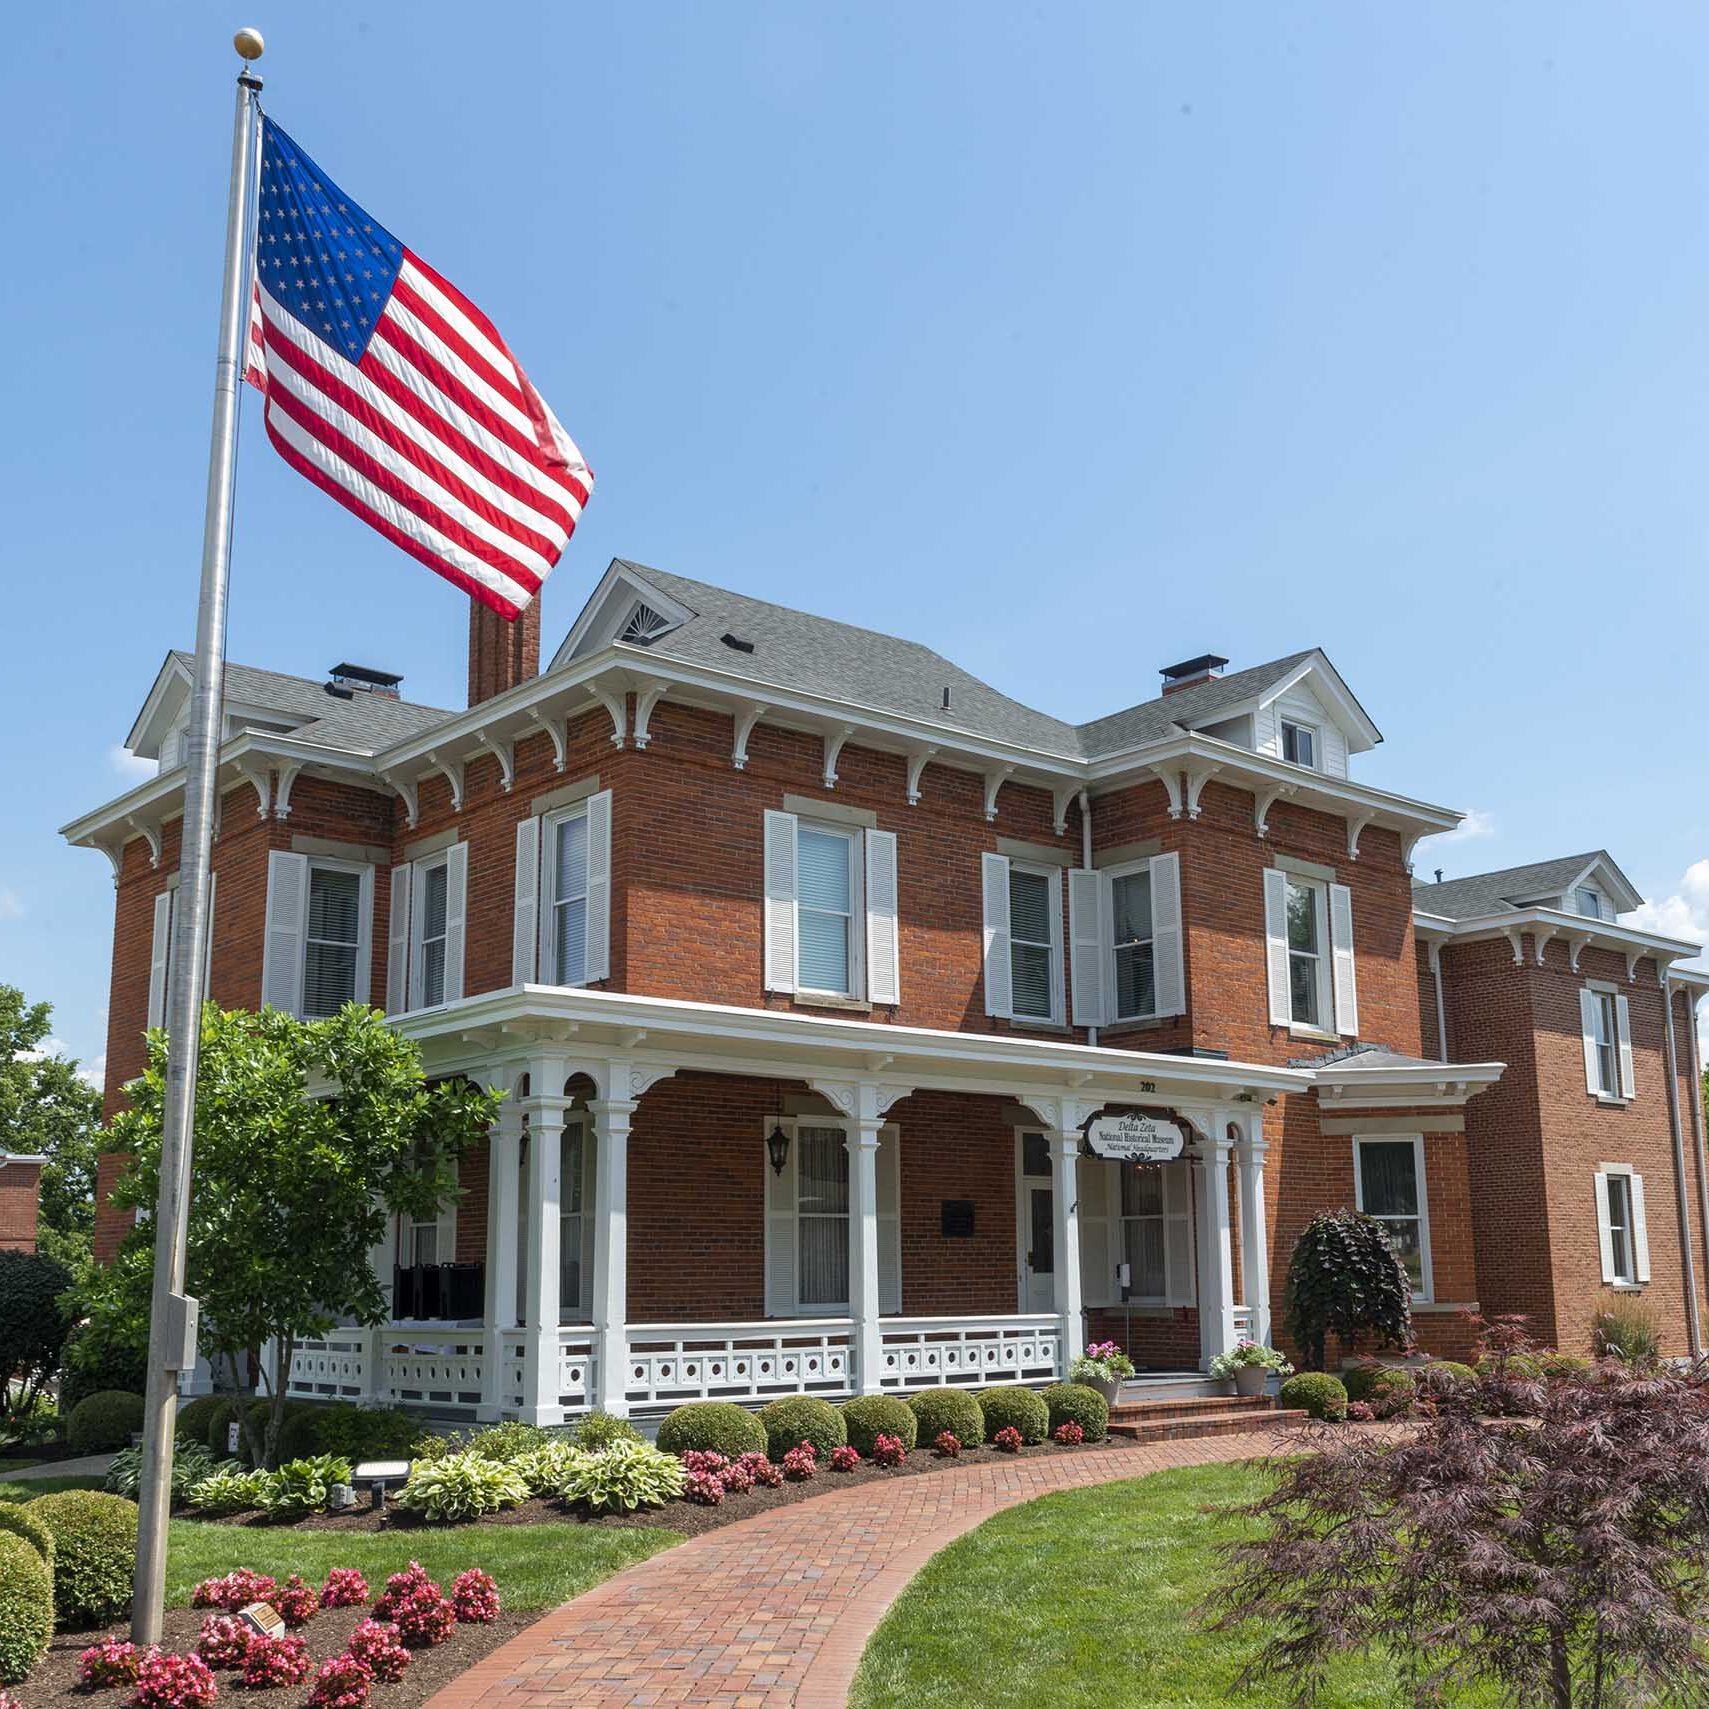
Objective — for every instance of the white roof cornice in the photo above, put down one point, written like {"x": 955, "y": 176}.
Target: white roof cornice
{"x": 1550, "y": 923}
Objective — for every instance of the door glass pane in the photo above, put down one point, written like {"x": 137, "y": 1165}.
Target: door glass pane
{"x": 1389, "y": 1178}
{"x": 1042, "y": 1233}
{"x": 1035, "y": 1154}
{"x": 1143, "y": 1231}
{"x": 822, "y": 1180}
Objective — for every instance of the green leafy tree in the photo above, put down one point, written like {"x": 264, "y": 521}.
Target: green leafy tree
{"x": 47, "y": 1109}
{"x": 32, "y": 1325}
{"x": 1345, "y": 1280}
{"x": 309, "y": 1136}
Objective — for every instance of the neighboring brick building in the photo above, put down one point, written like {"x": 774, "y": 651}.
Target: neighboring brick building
{"x": 20, "y": 1184}
{"x": 807, "y": 959}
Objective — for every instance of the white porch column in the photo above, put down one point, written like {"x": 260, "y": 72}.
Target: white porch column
{"x": 1065, "y": 1205}
{"x": 504, "y": 1165}
{"x": 1216, "y": 1249}
{"x": 382, "y": 1264}
{"x": 1254, "y": 1234}
{"x": 611, "y": 1252}
{"x": 862, "y": 1144}
{"x": 545, "y": 1114}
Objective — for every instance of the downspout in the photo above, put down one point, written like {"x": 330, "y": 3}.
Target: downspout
{"x": 1697, "y": 1123}
{"x": 1085, "y": 803}
{"x": 1694, "y": 1329}
{"x": 1441, "y": 1007}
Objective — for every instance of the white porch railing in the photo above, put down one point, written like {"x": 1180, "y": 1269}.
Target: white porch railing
{"x": 1243, "y": 1322}
{"x": 431, "y": 1367}
{"x": 335, "y": 1367}
{"x": 577, "y": 1363}
{"x": 673, "y": 1362}
{"x": 932, "y": 1352}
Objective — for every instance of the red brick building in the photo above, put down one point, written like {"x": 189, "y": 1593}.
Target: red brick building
{"x": 819, "y": 974}
{"x": 20, "y": 1184}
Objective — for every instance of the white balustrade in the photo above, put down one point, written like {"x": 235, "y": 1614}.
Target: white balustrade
{"x": 332, "y": 1367}
{"x": 673, "y": 1362}
{"x": 441, "y": 1368}
{"x": 1243, "y": 1321}
{"x": 577, "y": 1362}
{"x": 932, "y": 1352}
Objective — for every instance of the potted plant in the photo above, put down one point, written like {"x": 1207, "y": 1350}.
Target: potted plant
{"x": 1248, "y": 1365}
{"x": 1102, "y": 1366}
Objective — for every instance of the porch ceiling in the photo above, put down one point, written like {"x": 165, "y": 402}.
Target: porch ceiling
{"x": 656, "y": 1036}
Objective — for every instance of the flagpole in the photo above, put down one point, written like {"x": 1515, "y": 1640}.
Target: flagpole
{"x": 171, "y": 1328}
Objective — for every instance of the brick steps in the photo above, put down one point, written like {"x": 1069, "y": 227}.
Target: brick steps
{"x": 1200, "y": 1415}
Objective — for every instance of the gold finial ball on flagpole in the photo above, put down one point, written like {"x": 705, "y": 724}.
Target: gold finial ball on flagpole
{"x": 248, "y": 43}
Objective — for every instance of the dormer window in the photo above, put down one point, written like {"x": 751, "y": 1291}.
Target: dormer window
{"x": 1589, "y": 903}
{"x": 644, "y": 626}
{"x": 1299, "y": 744}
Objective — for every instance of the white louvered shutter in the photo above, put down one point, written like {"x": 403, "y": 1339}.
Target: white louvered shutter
{"x": 1341, "y": 960}
{"x": 1167, "y": 961}
{"x": 1587, "y": 1028}
{"x": 999, "y": 976}
{"x": 890, "y": 1220}
{"x": 1623, "y": 1030}
{"x": 456, "y": 913}
{"x": 365, "y": 936}
{"x": 1604, "y": 1228}
{"x": 779, "y": 1229}
{"x": 397, "y": 941}
{"x": 525, "y": 909}
{"x": 883, "y": 930}
{"x": 1097, "y": 1184}
{"x": 1086, "y": 947}
{"x": 159, "y": 958}
{"x": 599, "y": 886}
{"x": 780, "y": 884}
{"x": 1276, "y": 946}
{"x": 1640, "y": 1229}
{"x": 1180, "y": 1286}
{"x": 287, "y": 931}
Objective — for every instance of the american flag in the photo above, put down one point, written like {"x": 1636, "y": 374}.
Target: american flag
{"x": 391, "y": 391}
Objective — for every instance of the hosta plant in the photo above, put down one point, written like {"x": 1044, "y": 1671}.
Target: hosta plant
{"x": 191, "y": 1463}
{"x": 460, "y": 1487}
{"x": 345, "y": 1587}
{"x": 342, "y": 1683}
{"x": 474, "y": 1597}
{"x": 543, "y": 1469}
{"x": 173, "y": 1682}
{"x": 113, "y": 1661}
{"x": 224, "y": 1641}
{"x": 376, "y": 1644}
{"x": 277, "y": 1661}
{"x": 223, "y": 1491}
{"x": 303, "y": 1486}
{"x": 623, "y": 1477}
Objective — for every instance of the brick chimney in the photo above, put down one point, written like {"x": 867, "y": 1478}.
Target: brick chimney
{"x": 1207, "y": 667}
{"x": 501, "y": 654}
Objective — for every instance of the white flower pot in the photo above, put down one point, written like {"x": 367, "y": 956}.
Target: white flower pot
{"x": 1108, "y": 1387}
{"x": 1251, "y": 1380}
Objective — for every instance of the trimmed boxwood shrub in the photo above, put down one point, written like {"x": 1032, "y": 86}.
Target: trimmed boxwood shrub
{"x": 1011, "y": 1404}
{"x": 955, "y": 1410}
{"x": 869, "y": 1416}
{"x": 358, "y": 1433}
{"x": 301, "y": 1435}
{"x": 1316, "y": 1392}
{"x": 1390, "y": 1389}
{"x": 103, "y": 1421}
{"x": 17, "y": 1518}
{"x": 194, "y": 1417}
{"x": 26, "y": 1607}
{"x": 718, "y": 1426}
{"x": 802, "y": 1418}
{"x": 94, "y": 1554}
{"x": 1448, "y": 1371}
{"x": 1083, "y": 1406}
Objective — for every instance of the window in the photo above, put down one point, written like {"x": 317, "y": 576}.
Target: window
{"x": 1034, "y": 913}
{"x": 826, "y": 909}
{"x": 434, "y": 882}
{"x": 1390, "y": 1187}
{"x": 1134, "y": 946}
{"x": 418, "y": 1240}
{"x": 1144, "y": 1231}
{"x": 1299, "y": 744}
{"x": 1621, "y": 1227}
{"x": 1620, "y": 1241}
{"x": 572, "y": 1223}
{"x": 1305, "y": 952}
{"x": 1606, "y": 1039}
{"x": 332, "y": 945}
{"x": 1589, "y": 903}
{"x": 822, "y": 1218}
{"x": 568, "y": 882}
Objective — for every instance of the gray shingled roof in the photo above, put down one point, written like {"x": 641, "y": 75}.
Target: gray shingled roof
{"x": 364, "y": 724}
{"x": 1365, "y": 1056}
{"x": 1495, "y": 892}
{"x": 793, "y": 649}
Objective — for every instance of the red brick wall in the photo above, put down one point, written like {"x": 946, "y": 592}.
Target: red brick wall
{"x": 18, "y": 1184}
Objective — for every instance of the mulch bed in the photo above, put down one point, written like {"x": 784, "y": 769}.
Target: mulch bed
{"x": 688, "y": 1517}
{"x": 53, "y": 1681}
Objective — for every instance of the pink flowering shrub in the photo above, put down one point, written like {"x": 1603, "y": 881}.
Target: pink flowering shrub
{"x": 400, "y": 1587}
{"x": 173, "y": 1682}
{"x": 1360, "y": 1412}
{"x": 1007, "y": 1440}
{"x": 704, "y": 1462}
{"x": 424, "y": 1618}
{"x": 342, "y": 1683}
{"x": 707, "y": 1488}
{"x": 375, "y": 1643}
{"x": 738, "y": 1478}
{"x": 113, "y": 1661}
{"x": 8, "y": 1701}
{"x": 761, "y": 1470}
{"x": 224, "y": 1641}
{"x": 276, "y": 1661}
{"x": 947, "y": 1444}
{"x": 345, "y": 1587}
{"x": 295, "y": 1601}
{"x": 845, "y": 1458}
{"x": 236, "y": 1590}
{"x": 1068, "y": 1433}
{"x": 888, "y": 1450}
{"x": 474, "y": 1597}
{"x": 801, "y": 1462}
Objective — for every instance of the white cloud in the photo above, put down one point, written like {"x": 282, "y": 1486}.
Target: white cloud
{"x": 1477, "y": 823}
{"x": 10, "y": 907}
{"x": 95, "y": 1073}
{"x": 1684, "y": 914}
{"x": 128, "y": 765}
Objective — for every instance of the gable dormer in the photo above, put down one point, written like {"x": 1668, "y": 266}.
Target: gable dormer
{"x": 1309, "y": 717}
{"x": 626, "y": 609}
{"x": 1601, "y": 891}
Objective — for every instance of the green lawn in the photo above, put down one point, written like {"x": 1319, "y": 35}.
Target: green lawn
{"x": 1085, "y": 1598}
{"x": 27, "y": 1489}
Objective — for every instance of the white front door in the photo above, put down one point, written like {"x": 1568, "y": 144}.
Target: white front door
{"x": 1035, "y": 1223}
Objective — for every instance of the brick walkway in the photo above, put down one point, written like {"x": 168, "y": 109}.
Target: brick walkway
{"x": 776, "y": 1610}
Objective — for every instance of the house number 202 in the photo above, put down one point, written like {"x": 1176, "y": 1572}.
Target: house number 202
{"x": 1148, "y": 1085}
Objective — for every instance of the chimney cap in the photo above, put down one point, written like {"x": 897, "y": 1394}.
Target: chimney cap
{"x": 363, "y": 674}
{"x": 1206, "y": 664}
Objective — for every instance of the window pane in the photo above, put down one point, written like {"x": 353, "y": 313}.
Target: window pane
{"x": 1388, "y": 1178}
{"x": 822, "y": 1165}
{"x": 1302, "y": 917}
{"x": 329, "y": 977}
{"x": 824, "y": 950}
{"x": 1590, "y": 903}
{"x": 433, "y": 903}
{"x": 1302, "y": 986}
{"x": 1619, "y": 1226}
{"x": 1136, "y": 988}
{"x": 433, "y": 972}
{"x": 1143, "y": 1250}
{"x": 1142, "y": 1192}
{"x": 824, "y": 1260}
{"x": 1035, "y": 1154}
{"x": 570, "y": 877}
{"x": 1029, "y": 966}
{"x": 1029, "y": 907}
{"x": 424, "y": 1243}
{"x": 1042, "y": 1233}
{"x": 1131, "y": 907}
{"x": 824, "y": 870}
{"x": 334, "y": 904}
{"x": 570, "y": 936}
{"x": 822, "y": 1185}
{"x": 1404, "y": 1238}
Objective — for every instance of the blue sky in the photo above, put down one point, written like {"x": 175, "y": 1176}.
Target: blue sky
{"x": 1071, "y": 339}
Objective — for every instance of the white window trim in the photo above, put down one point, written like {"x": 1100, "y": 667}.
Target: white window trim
{"x": 856, "y": 839}
{"x": 1106, "y": 937}
{"x": 1052, "y": 875}
{"x": 1624, "y": 1089}
{"x": 549, "y": 971}
{"x": 364, "y": 873}
{"x": 1637, "y": 1236}
{"x": 418, "y": 925}
{"x": 1283, "y": 725}
{"x": 1427, "y": 1293}
{"x": 1324, "y": 1025}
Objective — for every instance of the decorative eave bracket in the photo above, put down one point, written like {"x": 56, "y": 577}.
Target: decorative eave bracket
{"x": 1060, "y": 800}
{"x": 918, "y": 760}
{"x": 994, "y": 780}
{"x": 150, "y": 834}
{"x": 284, "y": 777}
{"x": 746, "y": 719}
{"x": 834, "y": 742}
{"x": 452, "y": 771}
{"x": 409, "y": 794}
{"x": 1355, "y": 830}
{"x": 1265, "y": 800}
{"x": 502, "y": 749}
{"x": 559, "y": 730}
{"x": 646, "y": 699}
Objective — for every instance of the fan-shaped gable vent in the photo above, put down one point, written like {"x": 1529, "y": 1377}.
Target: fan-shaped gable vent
{"x": 644, "y": 625}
